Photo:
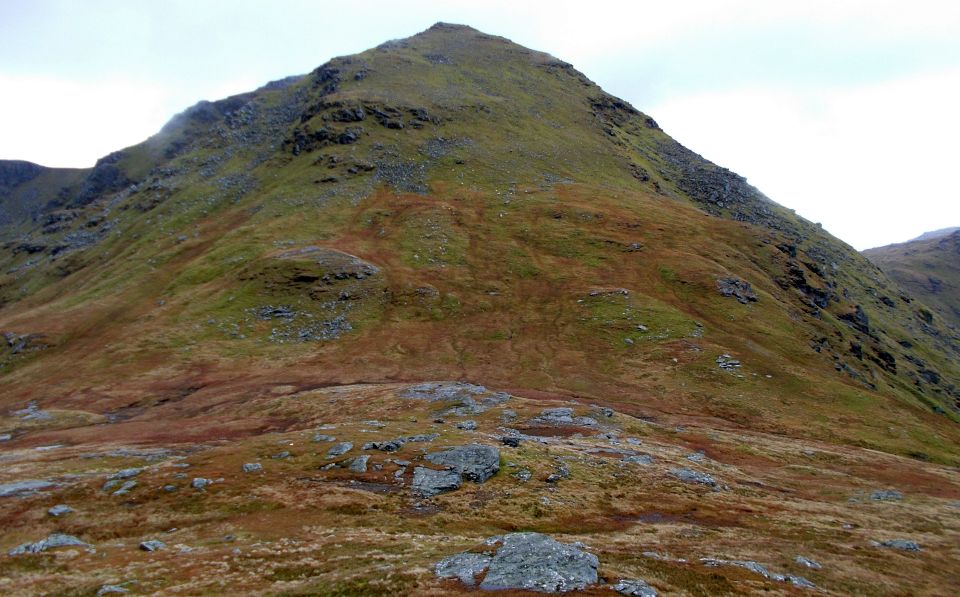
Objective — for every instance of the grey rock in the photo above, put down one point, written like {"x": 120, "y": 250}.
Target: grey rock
{"x": 111, "y": 589}
{"x": 153, "y": 545}
{"x": 473, "y": 462}
{"x": 169, "y": 488}
{"x": 727, "y": 362}
{"x": 252, "y": 467}
{"x": 690, "y": 476}
{"x": 886, "y": 495}
{"x": 53, "y": 541}
{"x": 281, "y": 455}
{"x": 901, "y": 544}
{"x": 20, "y": 488}
{"x": 808, "y": 563}
{"x": 464, "y": 566}
{"x": 537, "y": 562}
{"x": 644, "y": 459}
{"x": 523, "y": 474}
{"x": 513, "y": 442}
{"x": 465, "y": 399}
{"x": 127, "y": 473}
{"x": 390, "y": 445}
{"x": 468, "y": 425}
{"x": 323, "y": 437}
{"x": 359, "y": 464}
{"x": 634, "y": 587}
{"x": 697, "y": 457}
{"x": 428, "y": 482}
{"x": 736, "y": 288}
{"x": 200, "y": 483}
{"x": 59, "y": 510}
{"x": 562, "y": 416}
{"x": 760, "y": 569}
{"x": 126, "y": 488}
{"x": 339, "y": 449}
{"x": 5, "y": 437}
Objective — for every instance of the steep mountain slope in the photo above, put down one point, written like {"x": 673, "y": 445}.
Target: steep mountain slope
{"x": 453, "y": 206}
{"x": 929, "y": 268}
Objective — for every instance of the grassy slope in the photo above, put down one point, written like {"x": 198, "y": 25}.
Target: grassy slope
{"x": 929, "y": 269}
{"x": 531, "y": 207}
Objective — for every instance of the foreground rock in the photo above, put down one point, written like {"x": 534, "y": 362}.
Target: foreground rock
{"x": 473, "y": 462}
{"x": 525, "y": 561}
{"x": 52, "y": 542}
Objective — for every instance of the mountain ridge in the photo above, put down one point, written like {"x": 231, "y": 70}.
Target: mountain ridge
{"x": 451, "y": 238}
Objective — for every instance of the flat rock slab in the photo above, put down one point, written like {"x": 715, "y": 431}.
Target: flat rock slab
{"x": 473, "y": 462}
{"x": 691, "y": 476}
{"x": 525, "y": 561}
{"x": 635, "y": 588}
{"x": 561, "y": 417}
{"x": 465, "y": 399}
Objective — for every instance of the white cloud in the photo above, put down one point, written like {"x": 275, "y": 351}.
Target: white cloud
{"x": 874, "y": 164}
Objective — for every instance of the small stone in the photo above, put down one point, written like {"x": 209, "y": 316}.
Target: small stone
{"x": 690, "y": 476}
{"x": 152, "y": 545}
{"x": 468, "y": 425}
{"x": 200, "y": 483}
{"x": 323, "y": 437}
{"x": 634, "y": 587}
{"x": 886, "y": 495}
{"x": 807, "y": 563}
{"x": 126, "y": 488}
{"x": 281, "y": 455}
{"x": 644, "y": 459}
{"x": 339, "y": 449}
{"x": 111, "y": 589}
{"x": 359, "y": 464}
{"x": 59, "y": 510}
{"x": 697, "y": 457}
{"x": 901, "y": 544}
{"x": 513, "y": 442}
{"x": 169, "y": 488}
{"x": 252, "y": 467}
{"x": 127, "y": 473}
{"x": 523, "y": 474}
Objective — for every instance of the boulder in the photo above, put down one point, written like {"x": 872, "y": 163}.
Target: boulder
{"x": 690, "y": 476}
{"x": 561, "y": 416}
{"x": 200, "y": 483}
{"x": 59, "y": 510}
{"x": 463, "y": 566}
{"x": 359, "y": 464}
{"x": 323, "y": 437}
{"x": 20, "y": 488}
{"x": 736, "y": 288}
{"x": 808, "y": 563}
{"x": 428, "y": 482}
{"x": 252, "y": 467}
{"x": 634, "y": 587}
{"x": 473, "y": 462}
{"x": 901, "y": 544}
{"x": 339, "y": 449}
{"x": 53, "y": 541}
{"x": 152, "y": 545}
{"x": 886, "y": 495}
{"x": 537, "y": 562}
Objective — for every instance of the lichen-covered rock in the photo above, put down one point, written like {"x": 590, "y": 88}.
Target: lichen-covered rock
{"x": 339, "y": 449}
{"x": 463, "y": 566}
{"x": 473, "y": 462}
{"x": 537, "y": 562}
{"x": 359, "y": 464}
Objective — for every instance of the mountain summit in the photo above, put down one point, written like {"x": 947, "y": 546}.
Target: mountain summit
{"x": 353, "y": 252}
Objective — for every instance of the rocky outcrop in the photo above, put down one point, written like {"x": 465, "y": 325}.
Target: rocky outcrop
{"x": 526, "y": 562}
{"x": 473, "y": 462}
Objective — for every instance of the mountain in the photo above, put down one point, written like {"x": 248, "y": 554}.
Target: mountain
{"x": 444, "y": 241}
{"x": 929, "y": 268}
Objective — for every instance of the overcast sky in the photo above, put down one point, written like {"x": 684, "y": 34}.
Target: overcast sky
{"x": 847, "y": 111}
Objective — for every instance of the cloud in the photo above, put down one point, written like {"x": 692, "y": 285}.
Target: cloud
{"x": 873, "y": 163}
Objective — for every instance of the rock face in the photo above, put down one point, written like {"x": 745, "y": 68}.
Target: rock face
{"x": 52, "y": 542}
{"x": 736, "y": 288}
{"x": 428, "y": 482}
{"x": 525, "y": 561}
{"x": 472, "y": 462}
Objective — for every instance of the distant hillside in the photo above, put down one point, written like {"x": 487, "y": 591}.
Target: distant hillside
{"x": 928, "y": 267}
